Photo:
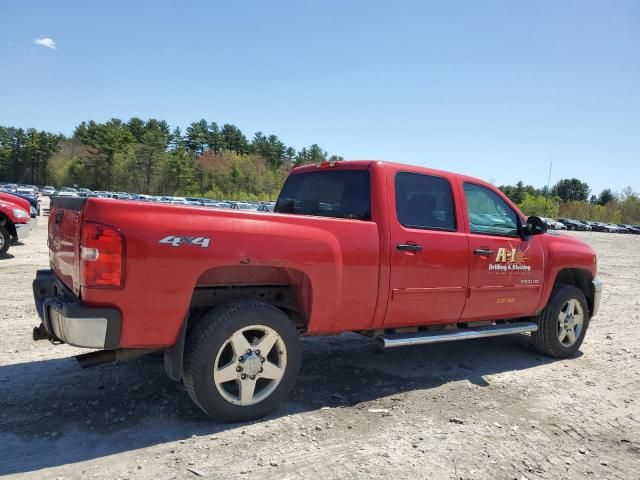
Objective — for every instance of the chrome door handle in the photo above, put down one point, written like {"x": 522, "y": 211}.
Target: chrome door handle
{"x": 484, "y": 252}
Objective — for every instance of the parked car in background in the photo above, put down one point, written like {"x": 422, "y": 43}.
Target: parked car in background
{"x": 264, "y": 207}
{"x": 15, "y": 220}
{"x": 586, "y": 224}
{"x": 9, "y": 187}
{"x": 595, "y": 227}
{"x": 64, "y": 193}
{"x": 573, "y": 224}
{"x": 48, "y": 190}
{"x": 553, "y": 224}
{"x": 29, "y": 196}
{"x": 630, "y": 228}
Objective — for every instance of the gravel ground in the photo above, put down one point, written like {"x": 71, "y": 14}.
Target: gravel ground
{"x": 489, "y": 408}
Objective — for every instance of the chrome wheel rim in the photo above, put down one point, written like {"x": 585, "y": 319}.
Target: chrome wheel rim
{"x": 570, "y": 322}
{"x": 1, "y": 241}
{"x": 250, "y": 365}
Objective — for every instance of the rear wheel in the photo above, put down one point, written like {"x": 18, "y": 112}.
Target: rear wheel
{"x": 5, "y": 240}
{"x": 563, "y": 323}
{"x": 241, "y": 361}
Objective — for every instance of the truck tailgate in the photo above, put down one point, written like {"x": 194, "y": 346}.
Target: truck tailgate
{"x": 64, "y": 240}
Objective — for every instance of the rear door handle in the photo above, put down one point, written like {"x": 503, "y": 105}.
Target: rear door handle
{"x": 484, "y": 252}
{"x": 409, "y": 247}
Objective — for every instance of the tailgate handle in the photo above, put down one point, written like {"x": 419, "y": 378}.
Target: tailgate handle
{"x": 59, "y": 216}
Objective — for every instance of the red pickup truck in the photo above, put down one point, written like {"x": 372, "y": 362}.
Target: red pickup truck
{"x": 403, "y": 254}
{"x": 15, "y": 220}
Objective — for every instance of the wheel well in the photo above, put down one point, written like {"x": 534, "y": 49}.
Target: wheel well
{"x": 579, "y": 278}
{"x": 281, "y": 296}
{"x": 285, "y": 288}
{"x": 8, "y": 224}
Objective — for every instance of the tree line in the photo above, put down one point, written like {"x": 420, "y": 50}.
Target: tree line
{"x": 572, "y": 198}
{"x": 148, "y": 156}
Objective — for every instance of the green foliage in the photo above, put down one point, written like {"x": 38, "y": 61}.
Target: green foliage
{"x": 539, "y": 205}
{"x": 517, "y": 192}
{"x": 148, "y": 157}
{"x": 605, "y": 196}
{"x": 571, "y": 189}
{"x": 24, "y": 155}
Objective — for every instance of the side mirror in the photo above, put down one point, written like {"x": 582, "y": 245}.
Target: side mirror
{"x": 535, "y": 226}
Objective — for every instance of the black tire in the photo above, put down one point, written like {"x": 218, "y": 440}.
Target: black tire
{"x": 5, "y": 240}
{"x": 546, "y": 339}
{"x": 210, "y": 335}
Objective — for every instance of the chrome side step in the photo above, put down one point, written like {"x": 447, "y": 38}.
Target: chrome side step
{"x": 420, "y": 338}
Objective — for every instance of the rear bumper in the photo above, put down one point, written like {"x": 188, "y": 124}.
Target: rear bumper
{"x": 597, "y": 296}
{"x": 66, "y": 319}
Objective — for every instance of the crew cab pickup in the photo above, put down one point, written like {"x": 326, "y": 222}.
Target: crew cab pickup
{"x": 15, "y": 220}
{"x": 403, "y": 254}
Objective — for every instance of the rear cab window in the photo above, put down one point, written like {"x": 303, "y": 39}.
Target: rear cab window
{"x": 424, "y": 202}
{"x": 327, "y": 193}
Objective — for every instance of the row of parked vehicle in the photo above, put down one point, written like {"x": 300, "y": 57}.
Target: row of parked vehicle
{"x": 27, "y": 192}
{"x": 588, "y": 226}
{"x": 195, "y": 201}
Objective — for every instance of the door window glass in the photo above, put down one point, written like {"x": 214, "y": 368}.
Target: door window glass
{"x": 488, "y": 213}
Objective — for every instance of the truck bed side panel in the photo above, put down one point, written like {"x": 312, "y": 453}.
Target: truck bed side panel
{"x": 338, "y": 257}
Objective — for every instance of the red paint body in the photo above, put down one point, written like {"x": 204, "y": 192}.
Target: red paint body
{"x": 347, "y": 274}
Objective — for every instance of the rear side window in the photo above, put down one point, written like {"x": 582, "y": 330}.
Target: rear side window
{"x": 489, "y": 213}
{"x": 327, "y": 193}
{"x": 424, "y": 201}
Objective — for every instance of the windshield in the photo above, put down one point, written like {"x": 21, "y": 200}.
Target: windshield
{"x": 327, "y": 193}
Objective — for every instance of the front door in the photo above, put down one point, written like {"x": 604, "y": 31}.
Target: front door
{"x": 505, "y": 271}
{"x": 429, "y": 261}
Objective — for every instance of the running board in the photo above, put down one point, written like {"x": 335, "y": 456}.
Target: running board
{"x": 420, "y": 338}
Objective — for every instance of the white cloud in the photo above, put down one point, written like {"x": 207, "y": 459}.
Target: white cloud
{"x": 45, "y": 42}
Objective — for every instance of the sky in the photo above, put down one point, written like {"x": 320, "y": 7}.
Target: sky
{"x": 492, "y": 89}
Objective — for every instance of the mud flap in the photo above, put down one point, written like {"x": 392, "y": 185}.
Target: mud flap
{"x": 174, "y": 355}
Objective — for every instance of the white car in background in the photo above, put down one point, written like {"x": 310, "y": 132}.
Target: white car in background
{"x": 553, "y": 224}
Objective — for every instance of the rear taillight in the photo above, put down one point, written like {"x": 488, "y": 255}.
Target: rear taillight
{"x": 101, "y": 256}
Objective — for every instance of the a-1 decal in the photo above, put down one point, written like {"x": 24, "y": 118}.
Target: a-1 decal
{"x": 176, "y": 241}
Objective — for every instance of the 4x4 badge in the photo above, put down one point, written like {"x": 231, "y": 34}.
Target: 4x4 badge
{"x": 176, "y": 241}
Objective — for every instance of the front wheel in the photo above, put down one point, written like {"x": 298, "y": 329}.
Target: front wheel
{"x": 241, "y": 361}
{"x": 563, "y": 322}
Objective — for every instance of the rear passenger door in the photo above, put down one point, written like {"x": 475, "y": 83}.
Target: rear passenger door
{"x": 429, "y": 261}
{"x": 506, "y": 272}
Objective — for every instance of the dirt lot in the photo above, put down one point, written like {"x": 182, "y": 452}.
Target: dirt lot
{"x": 488, "y": 408}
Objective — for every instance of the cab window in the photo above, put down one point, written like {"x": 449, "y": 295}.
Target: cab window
{"x": 327, "y": 193}
{"x": 424, "y": 201}
{"x": 488, "y": 213}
